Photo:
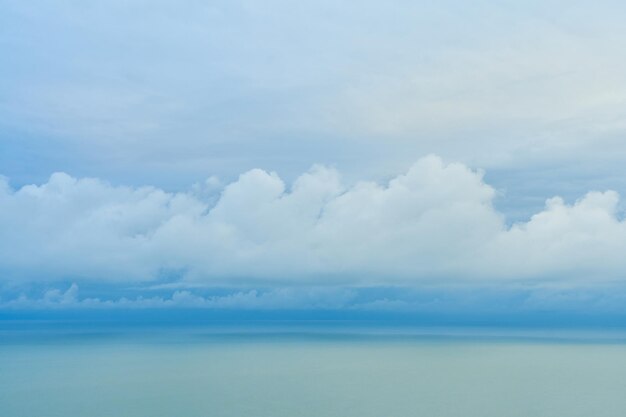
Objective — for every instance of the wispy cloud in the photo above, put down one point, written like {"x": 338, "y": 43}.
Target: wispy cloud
{"x": 278, "y": 298}
{"x": 525, "y": 301}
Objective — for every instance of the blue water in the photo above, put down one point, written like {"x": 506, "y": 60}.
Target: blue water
{"x": 308, "y": 371}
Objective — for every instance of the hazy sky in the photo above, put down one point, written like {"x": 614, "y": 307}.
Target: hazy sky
{"x": 341, "y": 144}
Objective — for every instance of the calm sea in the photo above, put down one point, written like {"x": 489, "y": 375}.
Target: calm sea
{"x": 276, "y": 372}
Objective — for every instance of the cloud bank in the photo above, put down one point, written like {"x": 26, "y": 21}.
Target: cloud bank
{"x": 433, "y": 224}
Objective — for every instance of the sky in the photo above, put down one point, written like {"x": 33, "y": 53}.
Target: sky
{"x": 401, "y": 155}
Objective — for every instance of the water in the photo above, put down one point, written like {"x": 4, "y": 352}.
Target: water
{"x": 275, "y": 374}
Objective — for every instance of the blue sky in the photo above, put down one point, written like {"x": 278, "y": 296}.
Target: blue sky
{"x": 277, "y": 154}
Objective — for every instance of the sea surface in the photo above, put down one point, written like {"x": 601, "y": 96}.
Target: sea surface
{"x": 307, "y": 371}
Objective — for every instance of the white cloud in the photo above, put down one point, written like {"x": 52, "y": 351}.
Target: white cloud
{"x": 583, "y": 240}
{"x": 435, "y": 223}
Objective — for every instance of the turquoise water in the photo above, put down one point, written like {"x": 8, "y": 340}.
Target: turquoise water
{"x": 165, "y": 373}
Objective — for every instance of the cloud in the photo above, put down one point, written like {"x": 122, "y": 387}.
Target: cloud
{"x": 278, "y": 298}
{"x": 425, "y": 304}
{"x": 133, "y": 90}
{"x": 433, "y": 224}
{"x": 580, "y": 241}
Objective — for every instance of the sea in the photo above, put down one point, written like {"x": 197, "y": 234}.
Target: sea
{"x": 308, "y": 370}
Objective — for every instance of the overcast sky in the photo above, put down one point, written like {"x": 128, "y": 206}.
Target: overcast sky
{"x": 281, "y": 143}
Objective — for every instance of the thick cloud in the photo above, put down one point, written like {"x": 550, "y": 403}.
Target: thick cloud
{"x": 435, "y": 223}
{"x": 151, "y": 91}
